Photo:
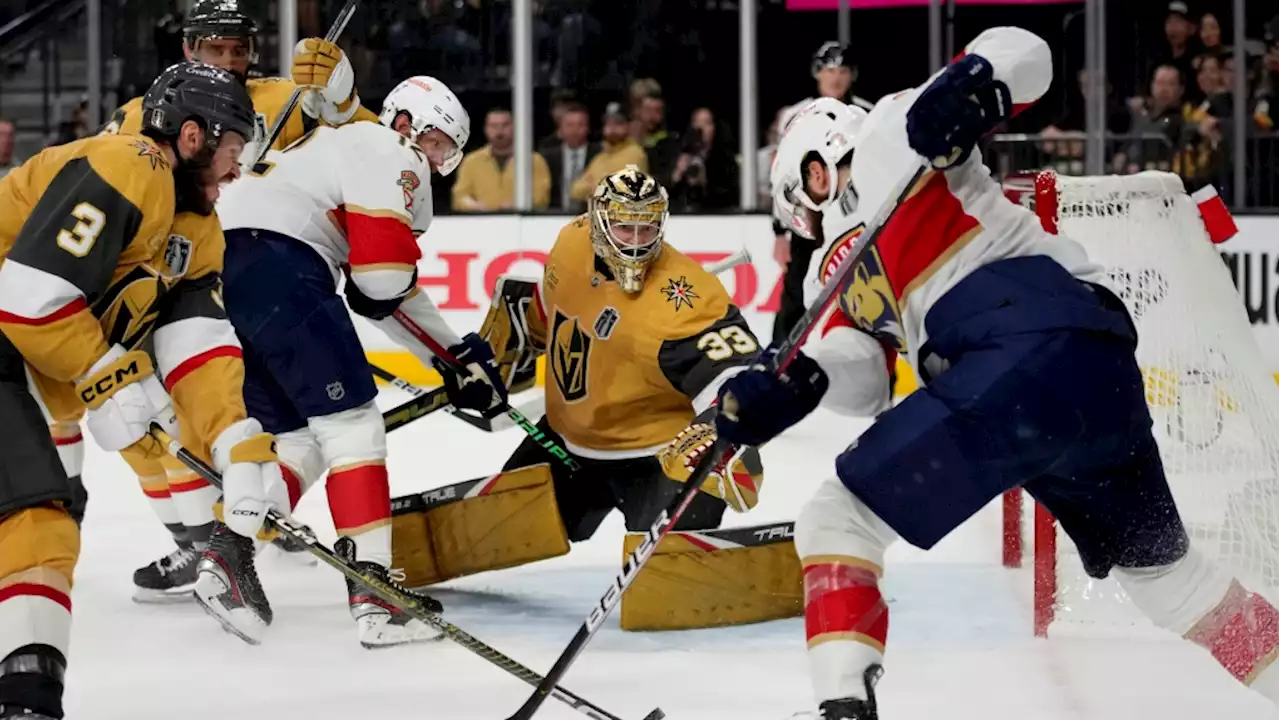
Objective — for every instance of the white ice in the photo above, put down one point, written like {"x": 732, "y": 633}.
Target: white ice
{"x": 960, "y": 641}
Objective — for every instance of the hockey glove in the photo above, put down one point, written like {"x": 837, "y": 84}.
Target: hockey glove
{"x": 123, "y": 397}
{"x": 738, "y": 485}
{"x": 252, "y": 482}
{"x": 756, "y": 405}
{"x": 365, "y": 306}
{"x": 322, "y": 67}
{"x": 961, "y": 105}
{"x": 479, "y": 385}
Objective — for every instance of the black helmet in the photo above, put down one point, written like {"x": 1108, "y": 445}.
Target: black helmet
{"x": 831, "y": 54}
{"x": 206, "y": 94}
{"x": 220, "y": 19}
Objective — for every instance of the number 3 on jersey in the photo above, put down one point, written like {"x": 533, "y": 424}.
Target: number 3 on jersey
{"x": 726, "y": 342}
{"x": 80, "y": 239}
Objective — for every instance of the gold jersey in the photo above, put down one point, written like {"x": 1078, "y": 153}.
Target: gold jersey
{"x": 269, "y": 96}
{"x": 91, "y": 255}
{"x": 624, "y": 369}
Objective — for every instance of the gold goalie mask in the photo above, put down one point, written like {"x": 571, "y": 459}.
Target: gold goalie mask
{"x": 628, "y": 214}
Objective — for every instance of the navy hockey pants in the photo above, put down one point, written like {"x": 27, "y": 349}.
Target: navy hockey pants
{"x": 1060, "y": 411}
{"x": 302, "y": 356}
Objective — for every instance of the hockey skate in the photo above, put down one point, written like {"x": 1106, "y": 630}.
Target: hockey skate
{"x": 294, "y": 552}
{"x": 850, "y": 708}
{"x": 227, "y": 586}
{"x": 169, "y": 579}
{"x": 381, "y": 624}
{"x": 17, "y": 713}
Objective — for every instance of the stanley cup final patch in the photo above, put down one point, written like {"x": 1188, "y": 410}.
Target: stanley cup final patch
{"x": 177, "y": 256}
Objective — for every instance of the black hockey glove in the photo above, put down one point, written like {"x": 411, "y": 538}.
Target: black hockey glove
{"x": 365, "y": 306}
{"x": 756, "y": 405}
{"x": 961, "y": 105}
{"x": 478, "y": 385}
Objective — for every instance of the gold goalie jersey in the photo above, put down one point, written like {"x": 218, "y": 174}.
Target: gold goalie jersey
{"x": 92, "y": 256}
{"x": 627, "y": 372}
{"x": 269, "y": 97}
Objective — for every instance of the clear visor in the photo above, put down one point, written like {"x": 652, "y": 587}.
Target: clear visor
{"x": 442, "y": 152}
{"x": 793, "y": 212}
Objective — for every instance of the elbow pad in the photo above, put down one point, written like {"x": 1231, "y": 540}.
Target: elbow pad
{"x": 376, "y": 295}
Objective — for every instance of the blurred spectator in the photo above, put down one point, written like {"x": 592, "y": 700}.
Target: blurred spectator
{"x": 7, "y": 160}
{"x": 649, "y": 113}
{"x": 764, "y": 156}
{"x": 1162, "y": 113}
{"x": 1181, "y": 44}
{"x": 1072, "y": 119}
{"x": 76, "y": 127}
{"x": 1210, "y": 34}
{"x": 1267, "y": 94}
{"x": 706, "y": 173}
{"x": 567, "y": 154}
{"x": 619, "y": 151}
{"x": 561, "y": 100}
{"x": 486, "y": 177}
{"x": 1209, "y": 77}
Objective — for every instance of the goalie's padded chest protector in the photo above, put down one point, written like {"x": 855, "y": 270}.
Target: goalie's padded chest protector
{"x": 623, "y": 367}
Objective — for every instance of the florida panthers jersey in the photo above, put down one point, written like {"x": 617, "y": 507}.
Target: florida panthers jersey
{"x": 952, "y": 223}
{"x": 358, "y": 195}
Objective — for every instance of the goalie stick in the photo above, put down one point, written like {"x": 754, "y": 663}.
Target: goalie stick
{"x": 428, "y": 401}
{"x": 335, "y": 30}
{"x": 389, "y": 591}
{"x": 720, "y": 453}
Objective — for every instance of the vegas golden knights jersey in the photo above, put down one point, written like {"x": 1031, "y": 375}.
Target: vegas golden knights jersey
{"x": 269, "y": 97}
{"x": 626, "y": 370}
{"x": 91, "y": 256}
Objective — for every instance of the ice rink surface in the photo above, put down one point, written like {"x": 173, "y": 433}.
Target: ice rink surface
{"x": 960, "y": 644}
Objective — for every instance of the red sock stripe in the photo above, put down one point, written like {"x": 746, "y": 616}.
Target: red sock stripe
{"x": 1240, "y": 633}
{"x": 156, "y": 494}
{"x": 191, "y": 485}
{"x": 37, "y": 590}
{"x": 293, "y": 484}
{"x": 359, "y": 496}
{"x": 842, "y": 598}
{"x": 69, "y": 440}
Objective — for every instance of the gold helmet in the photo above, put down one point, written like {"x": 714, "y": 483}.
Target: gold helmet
{"x": 628, "y": 212}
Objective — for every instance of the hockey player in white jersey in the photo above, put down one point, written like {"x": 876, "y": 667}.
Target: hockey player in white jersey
{"x": 349, "y": 199}
{"x": 1028, "y": 371}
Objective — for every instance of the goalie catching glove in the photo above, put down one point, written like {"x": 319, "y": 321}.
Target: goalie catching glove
{"x": 738, "y": 484}
{"x": 123, "y": 397}
{"x": 252, "y": 483}
{"x": 477, "y": 384}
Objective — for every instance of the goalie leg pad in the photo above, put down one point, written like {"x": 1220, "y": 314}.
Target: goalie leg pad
{"x": 490, "y": 523}
{"x": 714, "y": 578}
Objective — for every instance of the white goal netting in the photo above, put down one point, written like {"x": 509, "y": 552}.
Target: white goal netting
{"x": 1212, "y": 397}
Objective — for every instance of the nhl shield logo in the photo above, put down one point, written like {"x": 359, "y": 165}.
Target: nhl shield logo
{"x": 570, "y": 351}
{"x": 335, "y": 391}
{"x": 177, "y": 256}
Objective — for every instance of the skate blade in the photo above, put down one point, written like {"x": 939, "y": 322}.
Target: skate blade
{"x": 216, "y": 610}
{"x": 373, "y": 637}
{"x": 172, "y": 596}
{"x": 420, "y": 640}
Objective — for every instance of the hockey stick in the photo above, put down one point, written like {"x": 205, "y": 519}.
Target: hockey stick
{"x": 428, "y": 401}
{"x": 431, "y": 398}
{"x": 339, "y": 24}
{"x": 554, "y": 448}
{"x": 388, "y": 591}
{"x": 717, "y": 457}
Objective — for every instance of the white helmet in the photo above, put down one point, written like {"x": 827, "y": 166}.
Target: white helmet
{"x": 430, "y": 104}
{"x": 826, "y": 127}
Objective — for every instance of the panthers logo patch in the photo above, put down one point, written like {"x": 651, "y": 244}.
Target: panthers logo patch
{"x": 869, "y": 300}
{"x": 409, "y": 183}
{"x": 570, "y": 350}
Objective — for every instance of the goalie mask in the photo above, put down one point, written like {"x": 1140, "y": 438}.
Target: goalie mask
{"x": 628, "y": 213}
{"x": 824, "y": 131}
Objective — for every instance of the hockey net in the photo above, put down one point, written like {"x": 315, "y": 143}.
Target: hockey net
{"x": 1213, "y": 399}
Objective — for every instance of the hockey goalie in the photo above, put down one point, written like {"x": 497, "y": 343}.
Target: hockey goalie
{"x": 1029, "y": 373}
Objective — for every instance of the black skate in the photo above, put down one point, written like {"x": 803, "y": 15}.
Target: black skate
{"x": 380, "y": 623}
{"x": 169, "y": 579}
{"x": 227, "y": 586}
{"x": 850, "y": 708}
{"x": 293, "y": 551}
{"x": 17, "y": 713}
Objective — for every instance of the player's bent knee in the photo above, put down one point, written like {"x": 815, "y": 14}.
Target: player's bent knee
{"x": 39, "y": 545}
{"x": 836, "y": 523}
{"x": 1176, "y": 595}
{"x": 299, "y": 453}
{"x": 351, "y": 436}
